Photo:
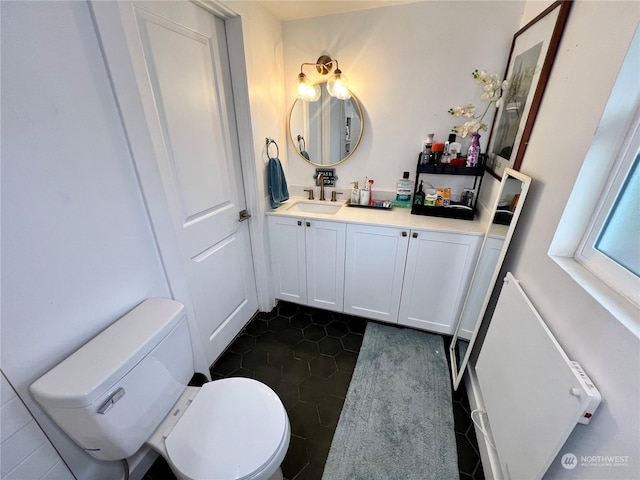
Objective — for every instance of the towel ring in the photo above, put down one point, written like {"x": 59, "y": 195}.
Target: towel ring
{"x": 304, "y": 144}
{"x": 269, "y": 141}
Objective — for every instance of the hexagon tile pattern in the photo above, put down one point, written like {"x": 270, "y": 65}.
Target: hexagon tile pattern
{"x": 307, "y": 357}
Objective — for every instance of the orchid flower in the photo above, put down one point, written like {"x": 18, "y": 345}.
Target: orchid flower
{"x": 492, "y": 89}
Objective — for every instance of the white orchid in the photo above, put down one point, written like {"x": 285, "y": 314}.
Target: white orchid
{"x": 492, "y": 88}
{"x": 472, "y": 126}
{"x": 468, "y": 111}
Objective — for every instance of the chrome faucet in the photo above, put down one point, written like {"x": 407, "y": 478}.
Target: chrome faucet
{"x": 320, "y": 181}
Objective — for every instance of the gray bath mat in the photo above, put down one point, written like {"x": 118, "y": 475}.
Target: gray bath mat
{"x": 397, "y": 419}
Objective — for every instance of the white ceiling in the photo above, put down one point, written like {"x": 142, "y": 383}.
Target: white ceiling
{"x": 295, "y": 9}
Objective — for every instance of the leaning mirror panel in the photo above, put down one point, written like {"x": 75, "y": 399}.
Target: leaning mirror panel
{"x": 504, "y": 214}
{"x": 327, "y": 131}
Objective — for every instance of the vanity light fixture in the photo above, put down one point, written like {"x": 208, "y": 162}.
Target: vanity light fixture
{"x": 337, "y": 86}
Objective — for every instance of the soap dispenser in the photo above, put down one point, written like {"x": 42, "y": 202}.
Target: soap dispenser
{"x": 355, "y": 194}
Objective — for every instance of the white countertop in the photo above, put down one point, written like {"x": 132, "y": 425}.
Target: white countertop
{"x": 396, "y": 217}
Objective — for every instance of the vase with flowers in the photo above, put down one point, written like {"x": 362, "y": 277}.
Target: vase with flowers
{"x": 492, "y": 88}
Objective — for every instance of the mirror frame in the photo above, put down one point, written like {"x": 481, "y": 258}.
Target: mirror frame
{"x": 458, "y": 373}
{"x": 355, "y": 146}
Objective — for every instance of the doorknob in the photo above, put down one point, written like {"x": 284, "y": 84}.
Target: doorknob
{"x": 414, "y": 234}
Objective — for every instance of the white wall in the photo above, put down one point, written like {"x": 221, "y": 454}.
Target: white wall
{"x": 263, "y": 46}
{"x": 261, "y": 50}
{"x": 593, "y": 47}
{"x": 407, "y": 64}
{"x": 25, "y": 451}
{"x": 77, "y": 248}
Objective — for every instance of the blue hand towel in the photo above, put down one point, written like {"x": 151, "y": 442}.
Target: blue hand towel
{"x": 278, "y": 191}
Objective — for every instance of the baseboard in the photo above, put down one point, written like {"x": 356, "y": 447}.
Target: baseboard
{"x": 488, "y": 455}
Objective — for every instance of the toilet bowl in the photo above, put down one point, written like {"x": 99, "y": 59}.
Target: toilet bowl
{"x": 234, "y": 428}
{"x": 127, "y": 387}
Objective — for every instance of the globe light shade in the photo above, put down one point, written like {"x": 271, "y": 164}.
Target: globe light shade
{"x": 338, "y": 86}
{"x": 313, "y": 93}
{"x": 303, "y": 86}
{"x": 305, "y": 90}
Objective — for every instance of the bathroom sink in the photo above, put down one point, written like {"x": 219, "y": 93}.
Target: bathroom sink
{"x": 315, "y": 207}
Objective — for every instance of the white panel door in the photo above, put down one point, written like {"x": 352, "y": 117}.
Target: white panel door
{"x": 375, "y": 262}
{"x": 325, "y": 244}
{"x": 178, "y": 53}
{"x": 438, "y": 272}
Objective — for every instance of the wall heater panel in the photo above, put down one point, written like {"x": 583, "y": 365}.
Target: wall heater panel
{"x": 533, "y": 394}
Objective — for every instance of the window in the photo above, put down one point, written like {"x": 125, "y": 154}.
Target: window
{"x": 611, "y": 246}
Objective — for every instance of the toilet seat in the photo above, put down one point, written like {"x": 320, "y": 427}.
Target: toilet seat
{"x": 233, "y": 429}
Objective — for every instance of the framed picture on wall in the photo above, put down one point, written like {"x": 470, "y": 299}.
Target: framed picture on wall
{"x": 533, "y": 51}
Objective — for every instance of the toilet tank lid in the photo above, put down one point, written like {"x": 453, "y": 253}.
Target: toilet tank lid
{"x": 95, "y": 367}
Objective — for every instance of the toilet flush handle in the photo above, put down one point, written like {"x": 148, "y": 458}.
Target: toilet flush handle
{"x": 115, "y": 396}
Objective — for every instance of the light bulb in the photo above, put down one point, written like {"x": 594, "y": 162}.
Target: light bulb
{"x": 338, "y": 86}
{"x": 306, "y": 90}
{"x": 303, "y": 87}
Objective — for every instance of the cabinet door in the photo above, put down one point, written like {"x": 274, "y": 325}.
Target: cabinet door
{"x": 286, "y": 236}
{"x": 438, "y": 272}
{"x": 374, "y": 271}
{"x": 325, "y": 244}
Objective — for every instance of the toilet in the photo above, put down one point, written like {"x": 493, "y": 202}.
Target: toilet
{"x": 127, "y": 387}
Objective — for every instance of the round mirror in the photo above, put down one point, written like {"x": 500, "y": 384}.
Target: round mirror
{"x": 328, "y": 131}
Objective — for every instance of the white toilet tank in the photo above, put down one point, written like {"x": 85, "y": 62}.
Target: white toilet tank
{"x": 111, "y": 394}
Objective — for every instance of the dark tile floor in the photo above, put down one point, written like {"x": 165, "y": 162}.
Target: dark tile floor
{"x": 469, "y": 464}
{"x": 307, "y": 357}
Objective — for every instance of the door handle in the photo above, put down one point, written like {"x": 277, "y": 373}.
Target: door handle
{"x": 308, "y": 224}
{"x": 404, "y": 234}
{"x": 243, "y": 215}
{"x": 414, "y": 234}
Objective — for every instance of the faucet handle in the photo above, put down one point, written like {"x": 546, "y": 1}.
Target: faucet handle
{"x": 310, "y": 191}
{"x": 333, "y": 195}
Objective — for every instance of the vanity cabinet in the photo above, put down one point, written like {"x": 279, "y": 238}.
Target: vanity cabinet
{"x": 374, "y": 270}
{"x": 307, "y": 260}
{"x": 438, "y": 271}
{"x": 416, "y": 278}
